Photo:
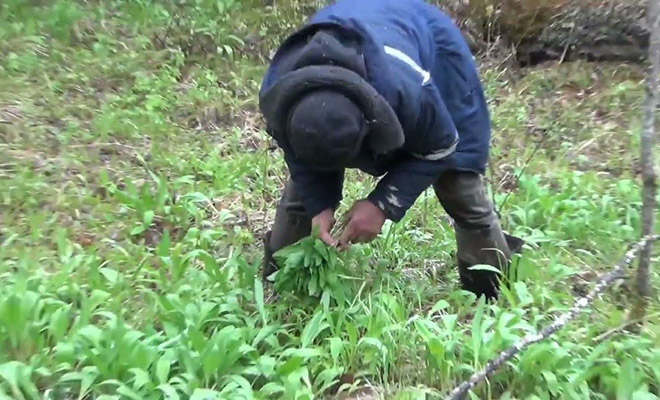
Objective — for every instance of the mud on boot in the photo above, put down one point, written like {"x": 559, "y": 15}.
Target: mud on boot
{"x": 488, "y": 246}
{"x": 269, "y": 264}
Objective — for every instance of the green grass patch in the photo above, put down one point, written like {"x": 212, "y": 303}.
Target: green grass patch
{"x": 136, "y": 184}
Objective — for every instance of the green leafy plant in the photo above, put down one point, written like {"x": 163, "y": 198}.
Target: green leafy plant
{"x": 312, "y": 269}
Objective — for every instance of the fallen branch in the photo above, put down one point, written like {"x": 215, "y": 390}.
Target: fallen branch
{"x": 617, "y": 272}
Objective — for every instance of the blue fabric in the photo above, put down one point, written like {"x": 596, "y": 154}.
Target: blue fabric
{"x": 437, "y": 97}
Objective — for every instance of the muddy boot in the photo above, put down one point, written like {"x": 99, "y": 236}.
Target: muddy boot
{"x": 270, "y": 266}
{"x": 479, "y": 235}
{"x": 483, "y": 246}
{"x": 291, "y": 224}
{"x": 515, "y": 243}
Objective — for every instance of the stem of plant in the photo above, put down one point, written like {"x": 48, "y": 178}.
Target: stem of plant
{"x": 649, "y": 177}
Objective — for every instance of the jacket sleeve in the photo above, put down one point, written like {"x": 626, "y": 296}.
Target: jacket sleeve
{"x": 433, "y": 138}
{"x": 400, "y": 188}
{"x": 317, "y": 190}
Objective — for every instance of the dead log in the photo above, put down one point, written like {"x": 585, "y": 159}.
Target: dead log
{"x": 542, "y": 30}
{"x": 607, "y": 32}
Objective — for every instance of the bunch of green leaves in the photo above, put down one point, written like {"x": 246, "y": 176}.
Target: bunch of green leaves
{"x": 311, "y": 269}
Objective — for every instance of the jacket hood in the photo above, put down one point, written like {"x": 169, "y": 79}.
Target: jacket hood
{"x": 327, "y": 58}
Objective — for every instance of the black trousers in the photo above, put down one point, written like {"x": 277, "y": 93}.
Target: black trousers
{"x": 479, "y": 236}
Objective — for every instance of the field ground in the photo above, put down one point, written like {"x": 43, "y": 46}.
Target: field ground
{"x": 136, "y": 183}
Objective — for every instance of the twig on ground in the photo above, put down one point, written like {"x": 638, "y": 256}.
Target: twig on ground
{"x": 109, "y": 144}
{"x": 568, "y": 43}
{"x": 606, "y": 335}
{"x": 498, "y": 209}
{"x": 604, "y": 282}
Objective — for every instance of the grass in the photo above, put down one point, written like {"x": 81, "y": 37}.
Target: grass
{"x": 136, "y": 183}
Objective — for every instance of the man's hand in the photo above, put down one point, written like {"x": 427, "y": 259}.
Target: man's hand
{"x": 365, "y": 222}
{"x": 325, "y": 220}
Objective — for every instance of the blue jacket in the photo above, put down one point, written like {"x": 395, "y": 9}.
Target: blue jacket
{"x": 417, "y": 59}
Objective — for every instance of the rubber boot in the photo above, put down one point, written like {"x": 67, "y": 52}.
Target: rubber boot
{"x": 270, "y": 266}
{"x": 487, "y": 246}
{"x": 515, "y": 243}
{"x": 290, "y": 225}
{"x": 279, "y": 238}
